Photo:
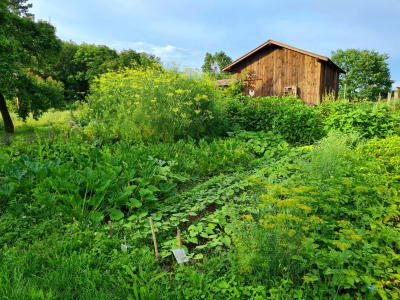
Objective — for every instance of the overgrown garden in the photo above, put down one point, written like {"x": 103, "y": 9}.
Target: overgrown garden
{"x": 273, "y": 199}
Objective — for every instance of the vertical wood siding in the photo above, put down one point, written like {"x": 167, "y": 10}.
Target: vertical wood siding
{"x": 273, "y": 68}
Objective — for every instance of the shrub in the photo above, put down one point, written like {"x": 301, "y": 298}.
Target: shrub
{"x": 287, "y": 116}
{"x": 369, "y": 119}
{"x": 154, "y": 103}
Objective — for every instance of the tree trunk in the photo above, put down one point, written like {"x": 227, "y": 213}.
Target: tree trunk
{"x": 8, "y": 124}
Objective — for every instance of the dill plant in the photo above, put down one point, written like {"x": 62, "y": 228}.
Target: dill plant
{"x": 332, "y": 156}
{"x": 154, "y": 104}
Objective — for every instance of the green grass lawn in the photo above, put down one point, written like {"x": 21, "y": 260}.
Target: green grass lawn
{"x": 28, "y": 128}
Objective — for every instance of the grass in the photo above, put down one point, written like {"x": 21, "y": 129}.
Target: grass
{"x": 28, "y": 128}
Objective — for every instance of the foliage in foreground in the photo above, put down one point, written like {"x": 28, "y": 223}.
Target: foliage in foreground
{"x": 335, "y": 231}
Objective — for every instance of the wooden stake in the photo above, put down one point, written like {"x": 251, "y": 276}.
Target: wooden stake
{"x": 125, "y": 240}
{"x": 154, "y": 236}
{"x": 48, "y": 126}
{"x": 389, "y": 98}
{"x": 379, "y": 98}
{"x": 179, "y": 238}
{"x": 110, "y": 227}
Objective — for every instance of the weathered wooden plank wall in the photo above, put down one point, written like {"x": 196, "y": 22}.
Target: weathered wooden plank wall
{"x": 276, "y": 67}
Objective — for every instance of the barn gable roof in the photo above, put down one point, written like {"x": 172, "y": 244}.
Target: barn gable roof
{"x": 271, "y": 42}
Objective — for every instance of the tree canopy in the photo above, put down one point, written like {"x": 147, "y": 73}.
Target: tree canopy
{"x": 367, "y": 73}
{"x": 78, "y": 65}
{"x": 25, "y": 43}
{"x": 213, "y": 64}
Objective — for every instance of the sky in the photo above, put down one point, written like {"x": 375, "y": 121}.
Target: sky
{"x": 183, "y": 31}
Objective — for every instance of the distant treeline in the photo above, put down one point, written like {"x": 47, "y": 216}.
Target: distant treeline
{"x": 77, "y": 65}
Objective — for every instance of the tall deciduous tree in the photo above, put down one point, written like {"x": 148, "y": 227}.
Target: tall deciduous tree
{"x": 213, "y": 64}
{"x": 367, "y": 73}
{"x": 23, "y": 43}
{"x": 20, "y": 8}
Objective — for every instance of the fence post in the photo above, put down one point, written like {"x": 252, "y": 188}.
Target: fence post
{"x": 389, "y": 98}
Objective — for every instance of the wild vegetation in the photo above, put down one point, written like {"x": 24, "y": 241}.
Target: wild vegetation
{"x": 274, "y": 199}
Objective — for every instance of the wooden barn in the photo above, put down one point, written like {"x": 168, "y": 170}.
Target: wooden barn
{"x": 278, "y": 69}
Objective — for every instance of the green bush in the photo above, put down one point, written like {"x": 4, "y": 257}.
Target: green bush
{"x": 287, "y": 116}
{"x": 369, "y": 119}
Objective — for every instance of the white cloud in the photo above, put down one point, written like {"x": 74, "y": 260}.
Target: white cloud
{"x": 160, "y": 51}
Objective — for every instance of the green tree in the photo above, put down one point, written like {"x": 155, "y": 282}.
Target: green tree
{"x": 367, "y": 73}
{"x": 213, "y": 64}
{"x": 20, "y": 8}
{"x": 78, "y": 65}
{"x": 24, "y": 43}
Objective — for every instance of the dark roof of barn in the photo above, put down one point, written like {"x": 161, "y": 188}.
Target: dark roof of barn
{"x": 271, "y": 42}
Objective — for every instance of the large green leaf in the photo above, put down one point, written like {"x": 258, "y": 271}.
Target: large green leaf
{"x": 116, "y": 214}
{"x": 97, "y": 217}
{"x": 14, "y": 171}
{"x": 135, "y": 203}
{"x": 6, "y": 189}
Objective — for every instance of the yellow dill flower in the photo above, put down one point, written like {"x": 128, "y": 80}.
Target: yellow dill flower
{"x": 154, "y": 100}
{"x": 190, "y": 121}
{"x": 189, "y": 103}
{"x": 316, "y": 220}
{"x": 148, "y": 116}
{"x": 300, "y": 189}
{"x": 137, "y": 96}
{"x": 183, "y": 115}
{"x": 347, "y": 182}
{"x": 211, "y": 117}
{"x": 304, "y": 207}
{"x": 287, "y": 203}
{"x": 344, "y": 223}
{"x": 179, "y": 91}
{"x": 175, "y": 109}
{"x": 197, "y": 111}
{"x": 170, "y": 94}
{"x": 136, "y": 102}
{"x": 341, "y": 245}
{"x": 248, "y": 218}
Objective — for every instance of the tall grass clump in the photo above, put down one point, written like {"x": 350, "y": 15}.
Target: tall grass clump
{"x": 154, "y": 104}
